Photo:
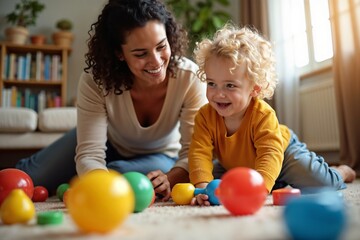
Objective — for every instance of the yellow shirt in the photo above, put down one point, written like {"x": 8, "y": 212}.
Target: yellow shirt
{"x": 259, "y": 143}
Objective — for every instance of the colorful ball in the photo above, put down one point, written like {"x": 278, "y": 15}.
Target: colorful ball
{"x": 17, "y": 207}
{"x": 320, "y": 215}
{"x": 40, "y": 194}
{"x": 142, "y": 188}
{"x": 182, "y": 193}
{"x": 100, "y": 201}
{"x": 61, "y": 189}
{"x": 242, "y": 191}
{"x": 12, "y": 178}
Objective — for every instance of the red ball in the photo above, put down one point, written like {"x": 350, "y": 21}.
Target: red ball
{"x": 12, "y": 178}
{"x": 40, "y": 194}
{"x": 242, "y": 191}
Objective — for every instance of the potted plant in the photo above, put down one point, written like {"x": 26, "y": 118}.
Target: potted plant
{"x": 64, "y": 37}
{"x": 201, "y": 18}
{"x": 25, "y": 14}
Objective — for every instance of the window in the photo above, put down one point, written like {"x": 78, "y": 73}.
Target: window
{"x": 311, "y": 34}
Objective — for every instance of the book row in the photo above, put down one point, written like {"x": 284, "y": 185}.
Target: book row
{"x": 33, "y": 67}
{"x": 36, "y": 100}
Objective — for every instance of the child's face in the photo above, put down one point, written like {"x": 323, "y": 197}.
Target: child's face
{"x": 229, "y": 93}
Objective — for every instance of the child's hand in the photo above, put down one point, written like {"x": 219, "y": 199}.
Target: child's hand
{"x": 200, "y": 199}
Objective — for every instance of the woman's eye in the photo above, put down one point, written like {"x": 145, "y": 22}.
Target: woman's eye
{"x": 162, "y": 47}
{"x": 140, "y": 55}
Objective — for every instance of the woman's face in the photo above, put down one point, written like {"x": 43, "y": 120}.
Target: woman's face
{"x": 147, "y": 53}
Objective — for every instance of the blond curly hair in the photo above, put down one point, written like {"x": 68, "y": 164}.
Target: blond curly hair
{"x": 241, "y": 46}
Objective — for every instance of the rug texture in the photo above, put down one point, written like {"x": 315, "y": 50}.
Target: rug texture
{"x": 170, "y": 221}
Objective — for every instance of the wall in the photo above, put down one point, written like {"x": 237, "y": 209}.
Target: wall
{"x": 83, "y": 13}
{"x": 318, "y": 114}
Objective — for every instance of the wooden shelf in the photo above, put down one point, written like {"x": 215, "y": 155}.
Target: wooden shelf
{"x": 50, "y": 82}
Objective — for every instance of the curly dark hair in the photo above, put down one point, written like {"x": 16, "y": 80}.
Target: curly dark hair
{"x": 109, "y": 32}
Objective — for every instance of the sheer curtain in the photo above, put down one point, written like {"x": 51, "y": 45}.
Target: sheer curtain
{"x": 254, "y": 13}
{"x": 345, "y": 19}
{"x": 281, "y": 16}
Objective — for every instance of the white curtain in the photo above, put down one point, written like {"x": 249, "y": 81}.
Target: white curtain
{"x": 286, "y": 94}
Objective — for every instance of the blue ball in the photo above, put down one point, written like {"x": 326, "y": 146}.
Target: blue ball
{"x": 320, "y": 215}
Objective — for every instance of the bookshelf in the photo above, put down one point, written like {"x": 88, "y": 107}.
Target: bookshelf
{"x": 33, "y": 76}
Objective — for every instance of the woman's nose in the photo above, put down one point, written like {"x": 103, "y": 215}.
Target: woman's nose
{"x": 155, "y": 58}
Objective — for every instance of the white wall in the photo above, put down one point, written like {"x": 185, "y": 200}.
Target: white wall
{"x": 83, "y": 13}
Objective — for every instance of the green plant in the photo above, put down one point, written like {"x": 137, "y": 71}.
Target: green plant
{"x": 25, "y": 13}
{"x": 200, "y": 18}
{"x": 64, "y": 25}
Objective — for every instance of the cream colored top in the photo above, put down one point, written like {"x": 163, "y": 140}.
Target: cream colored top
{"x": 112, "y": 117}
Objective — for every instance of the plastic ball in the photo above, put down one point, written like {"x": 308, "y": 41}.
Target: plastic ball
{"x": 12, "y": 178}
{"x": 61, "y": 189}
{"x": 316, "y": 216}
{"x": 182, "y": 193}
{"x": 142, "y": 188}
{"x": 40, "y": 194}
{"x": 17, "y": 208}
{"x": 65, "y": 197}
{"x": 242, "y": 191}
{"x": 100, "y": 201}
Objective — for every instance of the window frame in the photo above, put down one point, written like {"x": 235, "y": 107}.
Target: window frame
{"x": 312, "y": 66}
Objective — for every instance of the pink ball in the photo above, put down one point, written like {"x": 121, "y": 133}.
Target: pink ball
{"x": 242, "y": 191}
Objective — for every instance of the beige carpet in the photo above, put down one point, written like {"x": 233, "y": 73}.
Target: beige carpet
{"x": 168, "y": 221}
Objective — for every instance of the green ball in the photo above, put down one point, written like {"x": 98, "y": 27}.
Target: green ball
{"x": 142, "y": 188}
{"x": 62, "y": 188}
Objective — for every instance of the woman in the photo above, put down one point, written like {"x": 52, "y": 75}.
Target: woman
{"x": 136, "y": 101}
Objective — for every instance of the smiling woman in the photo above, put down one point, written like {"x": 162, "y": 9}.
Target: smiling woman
{"x": 137, "y": 99}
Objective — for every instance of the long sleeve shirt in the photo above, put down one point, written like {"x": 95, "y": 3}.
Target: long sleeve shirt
{"x": 259, "y": 143}
{"x": 112, "y": 117}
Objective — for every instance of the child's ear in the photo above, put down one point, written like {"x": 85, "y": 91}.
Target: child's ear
{"x": 255, "y": 91}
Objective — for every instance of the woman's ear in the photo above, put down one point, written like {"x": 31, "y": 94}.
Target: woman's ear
{"x": 255, "y": 91}
{"x": 120, "y": 56}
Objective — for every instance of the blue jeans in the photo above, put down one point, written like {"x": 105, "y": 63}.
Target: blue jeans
{"x": 55, "y": 164}
{"x": 301, "y": 169}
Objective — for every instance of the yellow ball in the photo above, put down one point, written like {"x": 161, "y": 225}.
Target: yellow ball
{"x": 182, "y": 193}
{"x": 100, "y": 201}
{"x": 17, "y": 207}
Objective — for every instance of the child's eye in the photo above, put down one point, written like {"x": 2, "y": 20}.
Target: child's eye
{"x": 230, "y": 85}
{"x": 211, "y": 84}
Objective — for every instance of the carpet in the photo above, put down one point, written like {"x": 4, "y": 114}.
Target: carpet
{"x": 166, "y": 220}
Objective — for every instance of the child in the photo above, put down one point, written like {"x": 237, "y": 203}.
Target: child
{"x": 238, "y": 128}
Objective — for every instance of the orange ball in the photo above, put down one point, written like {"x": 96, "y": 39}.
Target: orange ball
{"x": 100, "y": 201}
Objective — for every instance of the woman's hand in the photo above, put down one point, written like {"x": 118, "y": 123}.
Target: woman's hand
{"x": 163, "y": 183}
{"x": 160, "y": 183}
